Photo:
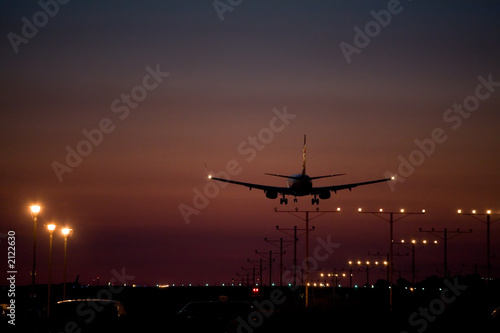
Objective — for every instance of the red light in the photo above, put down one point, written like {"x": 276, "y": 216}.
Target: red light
{"x": 255, "y": 290}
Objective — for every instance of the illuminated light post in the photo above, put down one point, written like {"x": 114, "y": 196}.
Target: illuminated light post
{"x": 381, "y": 214}
{"x": 367, "y": 263}
{"x": 35, "y": 209}
{"x": 296, "y": 239}
{"x": 51, "y": 227}
{"x": 488, "y": 223}
{"x": 307, "y": 220}
{"x": 66, "y": 232}
{"x": 445, "y": 238}
{"x": 413, "y": 244}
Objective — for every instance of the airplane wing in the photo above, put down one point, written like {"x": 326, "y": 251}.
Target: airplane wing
{"x": 266, "y": 188}
{"x": 335, "y": 188}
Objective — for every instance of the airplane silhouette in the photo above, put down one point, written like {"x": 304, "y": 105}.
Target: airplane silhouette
{"x": 299, "y": 185}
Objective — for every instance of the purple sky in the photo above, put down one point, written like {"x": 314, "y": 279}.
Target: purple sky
{"x": 413, "y": 100}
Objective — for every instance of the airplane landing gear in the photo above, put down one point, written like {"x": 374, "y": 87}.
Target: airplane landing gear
{"x": 284, "y": 200}
{"x": 315, "y": 201}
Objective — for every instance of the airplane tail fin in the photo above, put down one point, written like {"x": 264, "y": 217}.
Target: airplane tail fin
{"x": 304, "y": 157}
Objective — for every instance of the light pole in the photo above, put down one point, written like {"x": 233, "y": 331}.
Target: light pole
{"x": 51, "y": 227}
{"x": 281, "y": 253}
{"x": 306, "y": 219}
{"x": 66, "y": 232}
{"x": 445, "y": 238}
{"x": 295, "y": 240}
{"x": 413, "y": 249}
{"x": 35, "y": 209}
{"x": 381, "y": 214}
{"x": 260, "y": 271}
{"x": 270, "y": 261}
{"x": 488, "y": 222}
{"x": 367, "y": 263}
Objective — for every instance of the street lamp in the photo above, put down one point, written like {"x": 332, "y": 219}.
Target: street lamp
{"x": 413, "y": 243}
{"x": 488, "y": 222}
{"x": 51, "y": 227}
{"x": 35, "y": 209}
{"x": 382, "y": 214}
{"x": 66, "y": 232}
{"x": 367, "y": 263}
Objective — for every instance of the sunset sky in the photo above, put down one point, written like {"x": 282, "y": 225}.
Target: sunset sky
{"x": 110, "y": 112}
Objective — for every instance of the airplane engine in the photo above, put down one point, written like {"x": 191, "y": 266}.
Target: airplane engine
{"x": 325, "y": 195}
{"x": 271, "y": 194}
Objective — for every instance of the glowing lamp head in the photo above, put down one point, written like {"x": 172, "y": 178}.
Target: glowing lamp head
{"x": 488, "y": 212}
{"x": 459, "y": 211}
{"x": 66, "y": 231}
{"x": 51, "y": 227}
{"x": 474, "y": 211}
{"x": 35, "y": 209}
{"x": 209, "y": 176}
{"x": 359, "y": 210}
{"x": 402, "y": 210}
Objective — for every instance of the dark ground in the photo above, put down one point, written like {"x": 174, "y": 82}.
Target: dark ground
{"x": 436, "y": 305}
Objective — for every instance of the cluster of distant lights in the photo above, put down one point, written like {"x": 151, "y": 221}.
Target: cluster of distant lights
{"x": 425, "y": 242}
{"x": 381, "y": 210}
{"x": 473, "y": 211}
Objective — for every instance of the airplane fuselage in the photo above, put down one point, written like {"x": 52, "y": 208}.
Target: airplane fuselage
{"x": 300, "y": 184}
